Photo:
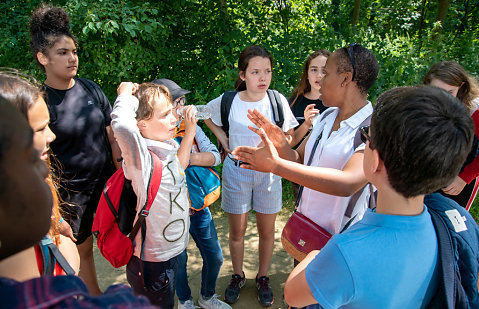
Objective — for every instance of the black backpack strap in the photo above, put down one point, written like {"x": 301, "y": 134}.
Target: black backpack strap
{"x": 47, "y": 259}
{"x": 311, "y": 155}
{"x": 55, "y": 252}
{"x": 226, "y": 102}
{"x": 143, "y": 214}
{"x": 277, "y": 106}
{"x": 94, "y": 90}
{"x": 355, "y": 197}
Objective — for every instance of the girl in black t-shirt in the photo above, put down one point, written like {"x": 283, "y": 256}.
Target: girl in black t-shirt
{"x": 304, "y": 100}
{"x": 80, "y": 118}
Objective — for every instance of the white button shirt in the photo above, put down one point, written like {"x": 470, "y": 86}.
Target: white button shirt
{"x": 334, "y": 151}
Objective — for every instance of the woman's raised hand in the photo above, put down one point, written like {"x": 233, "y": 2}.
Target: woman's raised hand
{"x": 274, "y": 133}
{"x": 262, "y": 159}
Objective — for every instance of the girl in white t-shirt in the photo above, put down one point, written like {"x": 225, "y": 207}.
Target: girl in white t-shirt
{"x": 243, "y": 189}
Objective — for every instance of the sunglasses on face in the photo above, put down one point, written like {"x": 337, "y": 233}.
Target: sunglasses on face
{"x": 350, "y": 50}
{"x": 365, "y": 134}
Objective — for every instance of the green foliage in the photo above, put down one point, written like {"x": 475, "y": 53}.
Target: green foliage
{"x": 475, "y": 210}
{"x": 197, "y": 42}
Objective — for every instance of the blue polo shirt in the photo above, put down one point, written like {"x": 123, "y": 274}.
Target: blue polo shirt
{"x": 383, "y": 261}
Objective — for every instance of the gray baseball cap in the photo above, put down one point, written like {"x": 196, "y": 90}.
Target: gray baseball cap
{"x": 175, "y": 90}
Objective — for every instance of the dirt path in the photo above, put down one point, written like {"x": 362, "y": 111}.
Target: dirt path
{"x": 281, "y": 264}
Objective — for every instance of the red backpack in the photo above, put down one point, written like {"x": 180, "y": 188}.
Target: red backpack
{"x": 113, "y": 224}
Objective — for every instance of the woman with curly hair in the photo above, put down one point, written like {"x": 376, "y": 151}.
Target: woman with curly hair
{"x": 80, "y": 118}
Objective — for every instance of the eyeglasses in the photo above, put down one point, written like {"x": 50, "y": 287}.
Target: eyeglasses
{"x": 179, "y": 102}
{"x": 365, "y": 134}
{"x": 350, "y": 50}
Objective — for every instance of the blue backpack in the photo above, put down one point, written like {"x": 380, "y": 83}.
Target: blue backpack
{"x": 458, "y": 248}
{"x": 204, "y": 183}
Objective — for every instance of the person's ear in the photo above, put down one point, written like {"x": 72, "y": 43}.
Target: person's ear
{"x": 377, "y": 164}
{"x": 141, "y": 124}
{"x": 241, "y": 75}
{"x": 347, "y": 78}
{"x": 42, "y": 58}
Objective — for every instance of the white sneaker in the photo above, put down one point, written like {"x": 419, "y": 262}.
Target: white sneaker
{"x": 212, "y": 303}
{"x": 189, "y": 304}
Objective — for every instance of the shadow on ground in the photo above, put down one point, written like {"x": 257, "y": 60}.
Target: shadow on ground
{"x": 280, "y": 268}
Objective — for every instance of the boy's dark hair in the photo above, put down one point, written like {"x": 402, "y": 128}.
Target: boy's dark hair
{"x": 423, "y": 136}
{"x": 366, "y": 64}
{"x": 244, "y": 58}
{"x": 47, "y": 25}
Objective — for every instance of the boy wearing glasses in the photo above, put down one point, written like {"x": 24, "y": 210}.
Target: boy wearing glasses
{"x": 202, "y": 226}
{"x": 418, "y": 139}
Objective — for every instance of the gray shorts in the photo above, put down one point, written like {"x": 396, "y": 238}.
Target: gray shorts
{"x": 241, "y": 187}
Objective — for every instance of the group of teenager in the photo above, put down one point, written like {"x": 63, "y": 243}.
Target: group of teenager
{"x": 61, "y": 141}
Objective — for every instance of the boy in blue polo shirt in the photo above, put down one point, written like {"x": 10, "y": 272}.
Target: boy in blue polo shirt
{"x": 418, "y": 139}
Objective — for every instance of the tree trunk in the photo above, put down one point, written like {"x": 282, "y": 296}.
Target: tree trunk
{"x": 442, "y": 6}
{"x": 357, "y": 6}
{"x": 336, "y": 13}
{"x": 425, "y": 3}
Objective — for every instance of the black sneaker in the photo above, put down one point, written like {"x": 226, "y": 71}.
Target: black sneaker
{"x": 233, "y": 290}
{"x": 265, "y": 294}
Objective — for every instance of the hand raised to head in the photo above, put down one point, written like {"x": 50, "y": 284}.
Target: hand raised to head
{"x": 127, "y": 88}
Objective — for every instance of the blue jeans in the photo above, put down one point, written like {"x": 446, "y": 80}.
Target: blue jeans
{"x": 203, "y": 231}
{"x": 159, "y": 278}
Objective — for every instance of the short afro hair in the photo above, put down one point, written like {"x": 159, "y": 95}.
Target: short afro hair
{"x": 367, "y": 66}
{"x": 47, "y": 25}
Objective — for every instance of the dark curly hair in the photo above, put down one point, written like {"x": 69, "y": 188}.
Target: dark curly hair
{"x": 367, "y": 66}
{"x": 48, "y": 24}
{"x": 423, "y": 135}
